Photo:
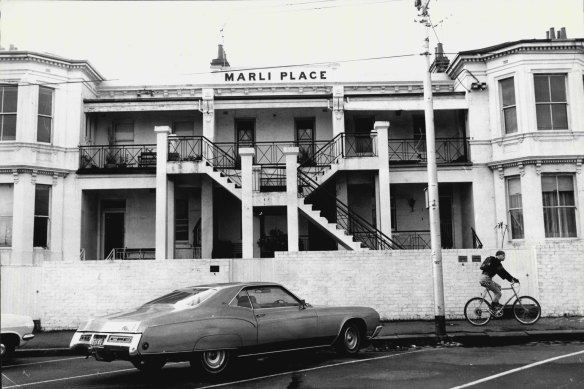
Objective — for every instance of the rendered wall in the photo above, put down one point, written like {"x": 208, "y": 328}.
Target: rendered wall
{"x": 396, "y": 283}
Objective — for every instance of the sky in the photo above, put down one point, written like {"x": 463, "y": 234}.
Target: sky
{"x": 150, "y": 40}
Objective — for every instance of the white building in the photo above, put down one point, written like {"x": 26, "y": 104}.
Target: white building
{"x": 245, "y": 163}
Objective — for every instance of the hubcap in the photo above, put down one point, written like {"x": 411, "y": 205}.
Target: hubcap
{"x": 2, "y": 349}
{"x": 214, "y": 359}
{"x": 351, "y": 338}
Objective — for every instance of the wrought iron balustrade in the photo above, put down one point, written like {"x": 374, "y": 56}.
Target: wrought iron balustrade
{"x": 131, "y": 254}
{"x": 272, "y": 178}
{"x": 412, "y": 240}
{"x": 361, "y": 229}
{"x": 117, "y": 156}
{"x": 448, "y": 150}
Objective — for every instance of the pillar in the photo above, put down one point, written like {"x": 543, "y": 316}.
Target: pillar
{"x": 206, "y": 217}
{"x": 208, "y": 109}
{"x": 247, "y": 242}
{"x": 579, "y": 185}
{"x": 338, "y": 110}
{"x": 57, "y": 222}
{"x": 342, "y": 191}
{"x": 383, "y": 201}
{"x": 291, "y": 154}
{"x": 162, "y": 133}
{"x": 170, "y": 220}
{"x": 532, "y": 205}
{"x": 23, "y": 219}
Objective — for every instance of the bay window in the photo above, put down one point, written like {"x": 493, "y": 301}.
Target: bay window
{"x": 559, "y": 207}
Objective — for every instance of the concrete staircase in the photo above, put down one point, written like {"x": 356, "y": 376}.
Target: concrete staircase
{"x": 222, "y": 180}
{"x": 332, "y": 229}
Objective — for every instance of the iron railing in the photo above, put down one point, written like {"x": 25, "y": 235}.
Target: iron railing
{"x": 199, "y": 148}
{"x": 270, "y": 178}
{"x": 448, "y": 150}
{"x": 118, "y": 156}
{"x": 476, "y": 242}
{"x": 131, "y": 254}
{"x": 412, "y": 240}
{"x": 361, "y": 229}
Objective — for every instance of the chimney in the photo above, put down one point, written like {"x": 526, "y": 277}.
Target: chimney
{"x": 563, "y": 32}
{"x": 441, "y": 62}
{"x": 220, "y": 62}
{"x": 552, "y": 33}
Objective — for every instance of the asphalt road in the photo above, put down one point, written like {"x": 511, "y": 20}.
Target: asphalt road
{"x": 535, "y": 365}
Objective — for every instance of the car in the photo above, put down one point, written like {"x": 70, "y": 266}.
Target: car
{"x": 212, "y": 325}
{"x": 16, "y": 331}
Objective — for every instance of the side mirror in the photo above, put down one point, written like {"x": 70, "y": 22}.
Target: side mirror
{"x": 303, "y": 304}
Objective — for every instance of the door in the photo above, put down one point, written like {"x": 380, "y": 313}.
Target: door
{"x": 305, "y": 140}
{"x": 446, "y": 222}
{"x": 245, "y": 135}
{"x": 282, "y": 322}
{"x": 362, "y": 143}
{"x": 113, "y": 231}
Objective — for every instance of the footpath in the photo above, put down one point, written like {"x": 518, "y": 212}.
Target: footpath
{"x": 397, "y": 334}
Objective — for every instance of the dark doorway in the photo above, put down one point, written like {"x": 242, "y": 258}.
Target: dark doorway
{"x": 362, "y": 143}
{"x": 446, "y": 222}
{"x": 305, "y": 140}
{"x": 113, "y": 231}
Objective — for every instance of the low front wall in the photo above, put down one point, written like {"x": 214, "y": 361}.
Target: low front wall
{"x": 399, "y": 284}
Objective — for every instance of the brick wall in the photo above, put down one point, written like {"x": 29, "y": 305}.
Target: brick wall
{"x": 399, "y": 284}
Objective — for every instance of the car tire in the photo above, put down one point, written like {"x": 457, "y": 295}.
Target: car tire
{"x": 149, "y": 365}
{"x": 349, "y": 339}
{"x": 212, "y": 362}
{"x": 7, "y": 350}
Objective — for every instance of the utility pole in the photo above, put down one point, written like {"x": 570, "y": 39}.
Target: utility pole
{"x": 433, "y": 204}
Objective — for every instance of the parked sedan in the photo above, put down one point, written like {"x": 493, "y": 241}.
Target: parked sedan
{"x": 16, "y": 331}
{"x": 209, "y": 325}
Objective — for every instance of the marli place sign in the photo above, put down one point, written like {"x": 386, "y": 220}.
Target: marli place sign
{"x": 294, "y": 75}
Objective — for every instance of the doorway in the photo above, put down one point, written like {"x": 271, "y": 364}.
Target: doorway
{"x": 362, "y": 144}
{"x": 113, "y": 231}
{"x": 447, "y": 240}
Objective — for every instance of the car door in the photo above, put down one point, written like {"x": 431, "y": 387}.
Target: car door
{"x": 283, "y": 321}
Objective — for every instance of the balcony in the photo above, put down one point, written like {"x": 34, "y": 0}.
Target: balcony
{"x": 412, "y": 151}
{"x": 116, "y": 159}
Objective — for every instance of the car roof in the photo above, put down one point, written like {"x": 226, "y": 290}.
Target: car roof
{"x": 226, "y": 285}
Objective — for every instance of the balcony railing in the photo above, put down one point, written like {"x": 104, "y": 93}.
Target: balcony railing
{"x": 412, "y": 240}
{"x": 448, "y": 150}
{"x": 131, "y": 254}
{"x": 119, "y": 156}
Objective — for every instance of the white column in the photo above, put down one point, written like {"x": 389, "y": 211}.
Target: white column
{"x": 342, "y": 191}
{"x": 161, "y": 191}
{"x": 72, "y": 220}
{"x": 208, "y": 110}
{"x": 247, "y": 242}
{"x": 207, "y": 217}
{"x": 23, "y": 219}
{"x": 57, "y": 212}
{"x": 532, "y": 205}
{"x": 384, "y": 222}
{"x": 26, "y": 117}
{"x": 170, "y": 220}
{"x": 338, "y": 108}
{"x": 579, "y": 184}
{"x": 292, "y": 196}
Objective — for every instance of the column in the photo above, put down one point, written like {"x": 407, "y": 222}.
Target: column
{"x": 170, "y": 220}
{"x": 500, "y": 195}
{"x": 57, "y": 212}
{"x": 342, "y": 191}
{"x": 338, "y": 110}
{"x": 579, "y": 184}
{"x": 247, "y": 242}
{"x": 208, "y": 110}
{"x": 384, "y": 221}
{"x": 161, "y": 191}
{"x": 532, "y": 205}
{"x": 23, "y": 219}
{"x": 72, "y": 220}
{"x": 206, "y": 217}
{"x": 292, "y": 196}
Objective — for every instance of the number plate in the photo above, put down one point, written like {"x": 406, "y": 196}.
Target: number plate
{"x": 98, "y": 340}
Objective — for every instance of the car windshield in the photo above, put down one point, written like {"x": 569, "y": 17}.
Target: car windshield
{"x": 185, "y": 297}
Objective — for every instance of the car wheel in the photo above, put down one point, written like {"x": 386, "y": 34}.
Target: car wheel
{"x": 149, "y": 365}
{"x": 7, "y": 350}
{"x": 214, "y": 361}
{"x": 349, "y": 340}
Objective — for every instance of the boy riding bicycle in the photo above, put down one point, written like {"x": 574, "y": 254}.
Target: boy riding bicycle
{"x": 490, "y": 267}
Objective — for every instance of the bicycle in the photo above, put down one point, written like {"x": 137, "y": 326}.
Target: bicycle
{"x": 478, "y": 311}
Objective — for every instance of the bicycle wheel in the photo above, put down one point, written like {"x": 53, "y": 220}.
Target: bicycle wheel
{"x": 477, "y": 311}
{"x": 526, "y": 310}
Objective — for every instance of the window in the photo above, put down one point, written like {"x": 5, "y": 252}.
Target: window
{"x": 123, "y": 133}
{"x": 186, "y": 128}
{"x": 550, "y": 101}
{"x": 6, "y": 203}
{"x": 507, "y": 88}
{"x": 8, "y": 103}
{"x": 559, "y": 207}
{"x": 271, "y": 297}
{"x": 45, "y": 119}
{"x": 181, "y": 216}
{"x": 42, "y": 201}
{"x": 515, "y": 207}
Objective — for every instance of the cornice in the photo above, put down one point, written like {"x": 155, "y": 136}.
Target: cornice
{"x": 496, "y": 165}
{"x": 48, "y": 59}
{"x": 33, "y": 170}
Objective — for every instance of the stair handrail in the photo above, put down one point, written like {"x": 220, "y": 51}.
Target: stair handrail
{"x": 354, "y": 224}
{"x": 228, "y": 165}
{"x": 317, "y": 163}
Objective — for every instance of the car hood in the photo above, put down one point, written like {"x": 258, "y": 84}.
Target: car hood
{"x": 9, "y": 321}
{"x": 127, "y": 321}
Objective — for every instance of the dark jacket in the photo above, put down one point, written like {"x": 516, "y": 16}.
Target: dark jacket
{"x": 498, "y": 269}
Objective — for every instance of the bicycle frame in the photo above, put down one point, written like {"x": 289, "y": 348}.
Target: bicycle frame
{"x": 515, "y": 294}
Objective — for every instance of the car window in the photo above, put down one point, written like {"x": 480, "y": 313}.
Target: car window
{"x": 271, "y": 297}
{"x": 242, "y": 300}
{"x": 186, "y": 297}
